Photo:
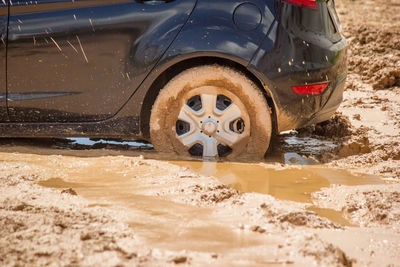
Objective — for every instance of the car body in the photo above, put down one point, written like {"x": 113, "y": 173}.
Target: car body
{"x": 94, "y": 68}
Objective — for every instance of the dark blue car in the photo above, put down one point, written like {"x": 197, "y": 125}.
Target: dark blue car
{"x": 196, "y": 77}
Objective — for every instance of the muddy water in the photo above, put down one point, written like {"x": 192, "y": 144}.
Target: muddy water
{"x": 293, "y": 183}
{"x": 161, "y": 223}
{"x": 109, "y": 181}
{"x": 131, "y": 185}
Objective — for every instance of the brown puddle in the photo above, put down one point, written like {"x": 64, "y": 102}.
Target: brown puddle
{"x": 291, "y": 183}
{"x": 333, "y": 215}
{"x": 127, "y": 184}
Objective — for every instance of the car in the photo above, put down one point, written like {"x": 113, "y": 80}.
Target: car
{"x": 202, "y": 78}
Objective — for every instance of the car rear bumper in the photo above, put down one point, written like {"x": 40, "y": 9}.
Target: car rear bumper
{"x": 297, "y": 111}
{"x": 285, "y": 60}
{"x": 332, "y": 104}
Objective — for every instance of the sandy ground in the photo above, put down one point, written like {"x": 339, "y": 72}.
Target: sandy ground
{"x": 372, "y": 99}
{"x": 62, "y": 206}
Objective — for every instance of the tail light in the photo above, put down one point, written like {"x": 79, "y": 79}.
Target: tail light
{"x": 311, "y": 89}
{"x": 311, "y": 4}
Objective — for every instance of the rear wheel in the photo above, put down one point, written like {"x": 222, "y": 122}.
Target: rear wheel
{"x": 211, "y": 111}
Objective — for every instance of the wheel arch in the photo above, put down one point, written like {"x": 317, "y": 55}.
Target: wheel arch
{"x": 178, "y": 67}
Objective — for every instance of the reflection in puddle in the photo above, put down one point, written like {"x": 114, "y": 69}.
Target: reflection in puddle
{"x": 308, "y": 145}
{"x": 91, "y": 142}
{"x": 295, "y": 159}
{"x": 87, "y": 147}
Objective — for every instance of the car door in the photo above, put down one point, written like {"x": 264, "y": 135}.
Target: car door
{"x": 3, "y": 41}
{"x": 75, "y": 61}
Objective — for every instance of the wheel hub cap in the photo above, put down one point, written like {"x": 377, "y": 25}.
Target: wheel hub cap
{"x": 210, "y": 123}
{"x": 209, "y": 127}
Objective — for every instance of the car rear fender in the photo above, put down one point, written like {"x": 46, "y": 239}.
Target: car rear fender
{"x": 216, "y": 31}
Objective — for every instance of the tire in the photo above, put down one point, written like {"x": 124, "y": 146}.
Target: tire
{"x": 211, "y": 111}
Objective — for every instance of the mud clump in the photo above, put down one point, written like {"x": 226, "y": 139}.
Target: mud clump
{"x": 391, "y": 151}
{"x": 341, "y": 258}
{"x": 307, "y": 219}
{"x": 69, "y": 191}
{"x": 375, "y": 207}
{"x": 202, "y": 193}
{"x": 374, "y": 47}
{"x": 353, "y": 147}
{"x": 363, "y": 205}
{"x": 179, "y": 260}
{"x": 215, "y": 194}
{"x": 387, "y": 78}
{"x": 338, "y": 126}
{"x": 296, "y": 218}
{"x": 258, "y": 229}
